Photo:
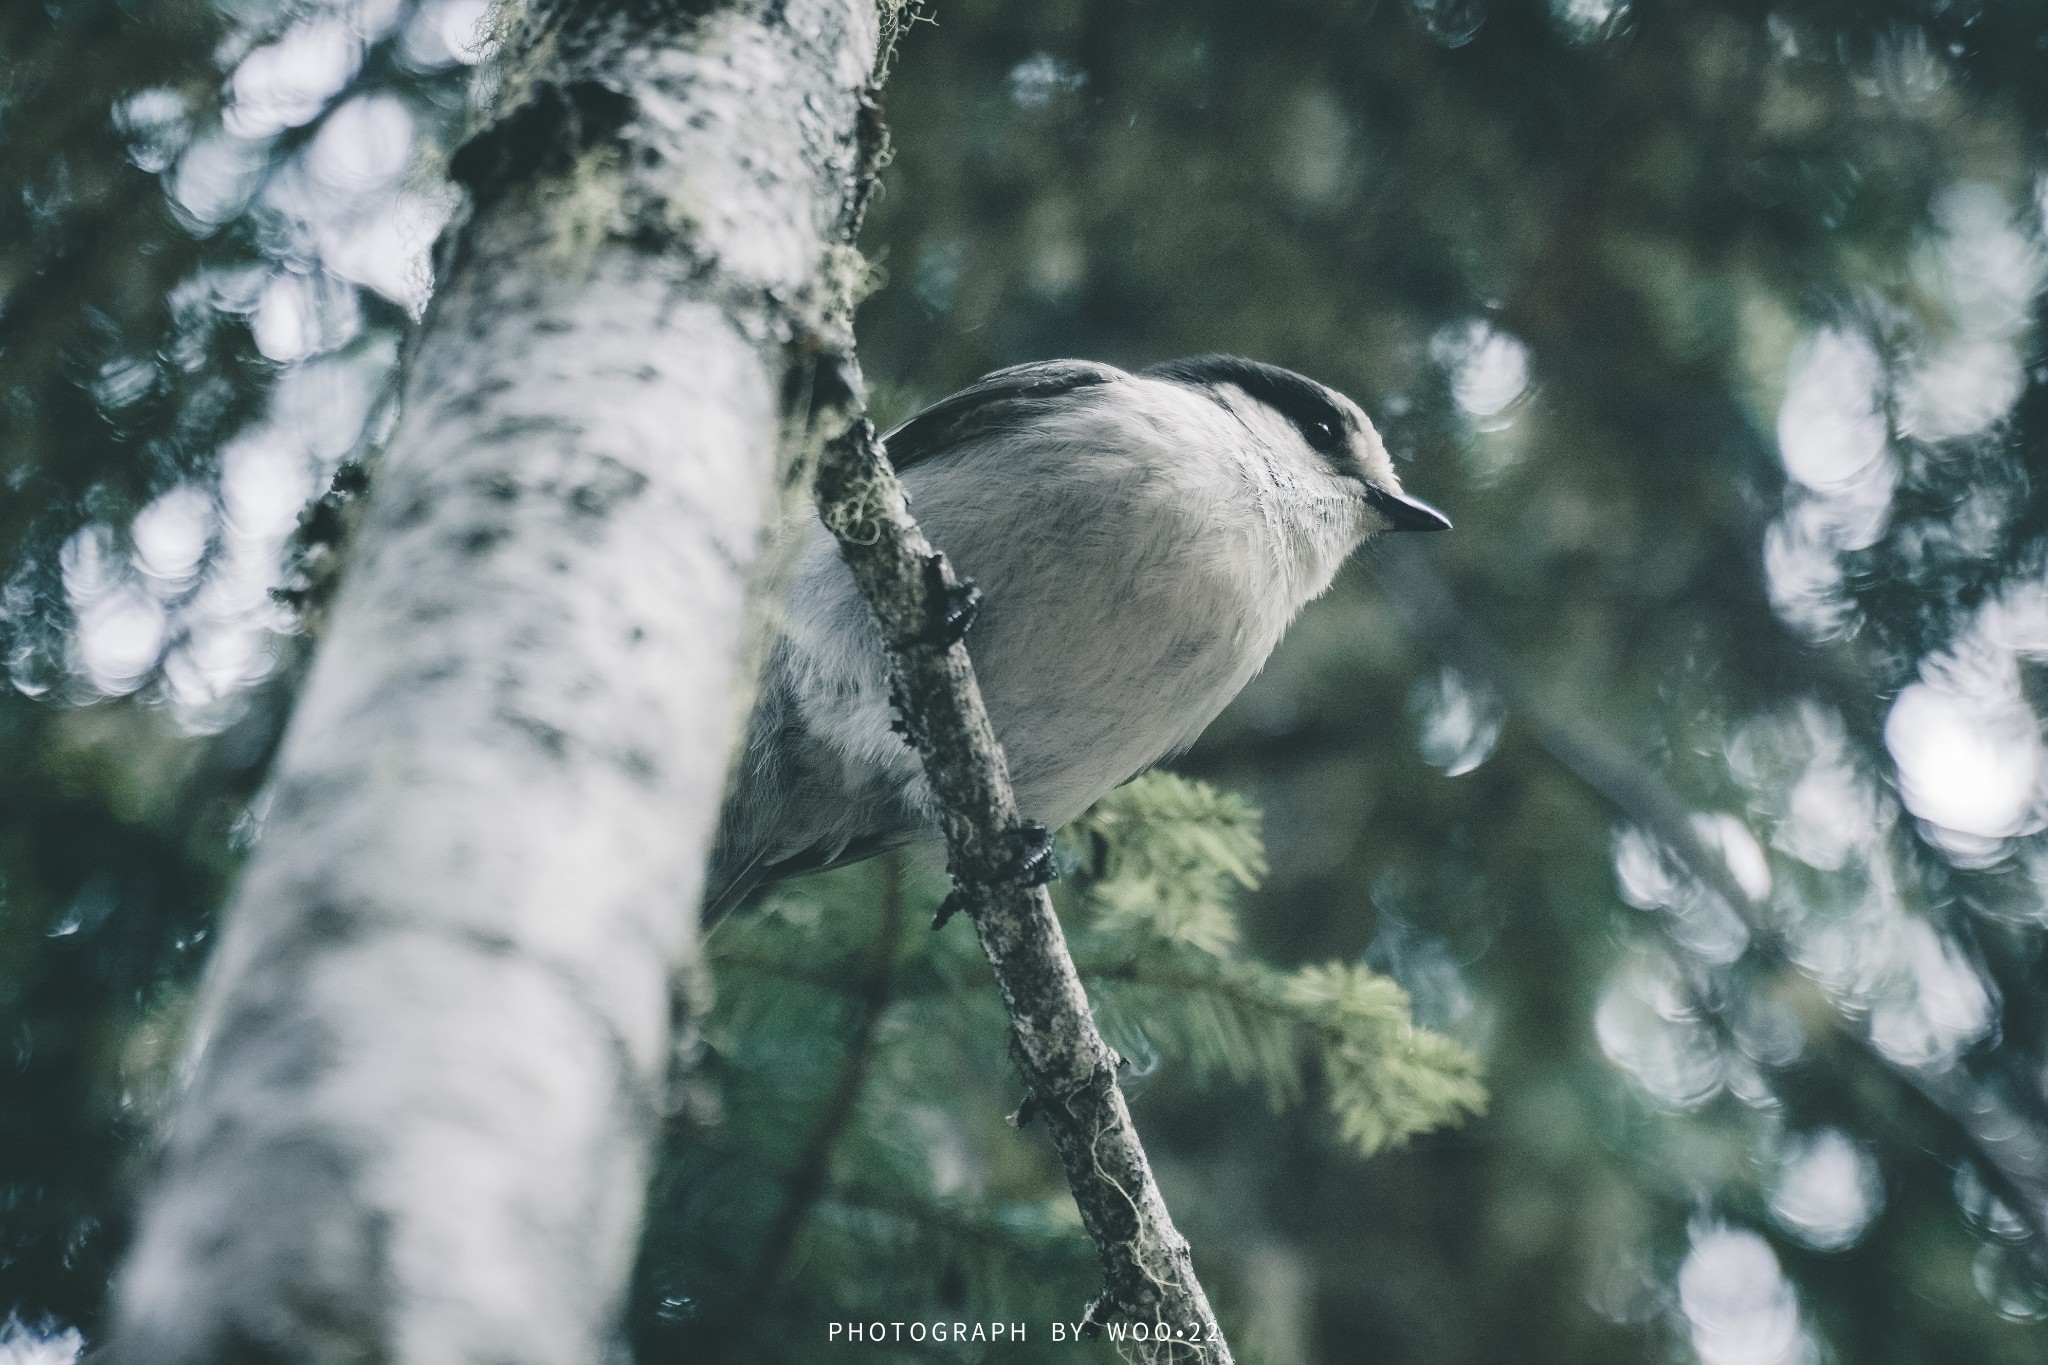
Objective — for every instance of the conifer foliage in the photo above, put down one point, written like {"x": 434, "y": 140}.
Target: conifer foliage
{"x": 846, "y": 1157}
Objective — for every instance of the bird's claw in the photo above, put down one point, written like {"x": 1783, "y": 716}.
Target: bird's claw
{"x": 951, "y": 604}
{"x": 899, "y": 711}
{"x": 1031, "y": 861}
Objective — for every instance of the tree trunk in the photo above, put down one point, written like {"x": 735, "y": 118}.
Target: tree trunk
{"x": 432, "y": 1045}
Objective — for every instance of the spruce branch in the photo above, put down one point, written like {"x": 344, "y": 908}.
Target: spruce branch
{"x": 1384, "y": 1079}
{"x": 1167, "y": 858}
{"x": 999, "y": 863}
{"x": 806, "y": 1184}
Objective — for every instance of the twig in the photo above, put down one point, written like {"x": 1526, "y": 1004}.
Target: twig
{"x": 999, "y": 864}
{"x": 806, "y": 1182}
{"x": 1980, "y": 1110}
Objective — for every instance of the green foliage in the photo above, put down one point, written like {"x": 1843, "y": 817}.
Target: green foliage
{"x": 1167, "y": 856}
{"x": 1387, "y": 1078}
{"x": 1572, "y": 257}
{"x": 1157, "y": 929}
{"x": 845, "y": 1156}
{"x": 848, "y": 1157}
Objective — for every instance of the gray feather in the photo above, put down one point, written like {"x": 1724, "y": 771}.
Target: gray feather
{"x": 796, "y": 805}
{"x": 1004, "y": 398}
{"x": 1141, "y": 543}
{"x": 789, "y": 780}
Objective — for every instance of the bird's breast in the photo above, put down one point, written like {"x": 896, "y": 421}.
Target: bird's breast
{"x": 1121, "y": 612}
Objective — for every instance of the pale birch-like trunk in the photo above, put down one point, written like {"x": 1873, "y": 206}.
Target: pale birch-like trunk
{"x": 432, "y": 1045}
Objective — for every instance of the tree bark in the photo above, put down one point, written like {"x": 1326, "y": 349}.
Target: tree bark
{"x": 433, "y": 1041}
{"x": 1000, "y": 865}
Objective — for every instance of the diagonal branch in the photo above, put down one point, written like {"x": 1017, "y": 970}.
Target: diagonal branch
{"x": 999, "y": 865}
{"x": 807, "y": 1180}
{"x": 1992, "y": 1116}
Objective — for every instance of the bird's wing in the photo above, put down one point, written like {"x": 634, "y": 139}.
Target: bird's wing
{"x": 796, "y": 807}
{"x": 993, "y": 400}
{"x": 727, "y": 888}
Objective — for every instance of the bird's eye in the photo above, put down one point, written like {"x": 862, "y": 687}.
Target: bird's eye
{"x": 1322, "y": 433}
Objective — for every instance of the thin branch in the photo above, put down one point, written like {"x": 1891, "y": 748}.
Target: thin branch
{"x": 999, "y": 864}
{"x": 2007, "y": 1144}
{"x": 806, "y": 1182}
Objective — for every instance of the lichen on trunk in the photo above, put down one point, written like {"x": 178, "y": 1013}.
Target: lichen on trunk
{"x": 432, "y": 1045}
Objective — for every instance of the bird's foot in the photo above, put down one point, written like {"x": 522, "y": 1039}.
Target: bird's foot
{"x": 951, "y": 604}
{"x": 899, "y": 712}
{"x": 1031, "y": 861}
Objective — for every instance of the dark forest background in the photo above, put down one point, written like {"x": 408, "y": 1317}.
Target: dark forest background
{"x": 1695, "y": 784}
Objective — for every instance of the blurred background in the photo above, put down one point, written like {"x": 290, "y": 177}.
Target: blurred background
{"x": 1695, "y": 783}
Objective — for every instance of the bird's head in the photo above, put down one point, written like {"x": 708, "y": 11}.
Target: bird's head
{"x": 1328, "y": 431}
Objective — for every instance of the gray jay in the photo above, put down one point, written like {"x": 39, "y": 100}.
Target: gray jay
{"x": 1141, "y": 542}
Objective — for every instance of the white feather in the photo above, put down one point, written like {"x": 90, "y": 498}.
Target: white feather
{"x": 1141, "y": 546}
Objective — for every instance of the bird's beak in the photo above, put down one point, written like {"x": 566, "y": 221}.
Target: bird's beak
{"x": 1404, "y": 513}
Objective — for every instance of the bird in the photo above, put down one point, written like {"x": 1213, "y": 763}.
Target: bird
{"x": 1141, "y": 541}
